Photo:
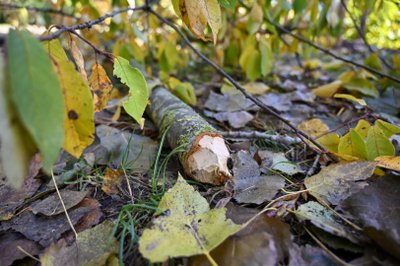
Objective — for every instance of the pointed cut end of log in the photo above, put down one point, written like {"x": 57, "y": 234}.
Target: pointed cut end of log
{"x": 207, "y": 160}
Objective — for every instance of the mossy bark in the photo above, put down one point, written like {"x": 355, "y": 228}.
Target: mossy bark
{"x": 205, "y": 153}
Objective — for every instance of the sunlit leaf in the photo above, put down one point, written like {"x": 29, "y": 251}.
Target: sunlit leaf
{"x": 138, "y": 93}
{"x": 187, "y": 226}
{"x": 389, "y": 162}
{"x": 387, "y": 128}
{"x": 330, "y": 141}
{"x": 197, "y": 14}
{"x": 78, "y": 103}
{"x": 362, "y": 128}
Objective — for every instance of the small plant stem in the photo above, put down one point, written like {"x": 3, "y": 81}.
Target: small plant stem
{"x": 63, "y": 205}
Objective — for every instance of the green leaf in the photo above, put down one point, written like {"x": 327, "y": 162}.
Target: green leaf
{"x": 266, "y": 57}
{"x": 228, "y": 3}
{"x": 299, "y": 5}
{"x": 362, "y": 85}
{"x": 187, "y": 227}
{"x": 387, "y": 128}
{"x": 378, "y": 143}
{"x": 139, "y": 94}
{"x": 253, "y": 66}
{"x": 352, "y": 144}
{"x": 36, "y": 93}
{"x": 17, "y": 147}
{"x": 362, "y": 128}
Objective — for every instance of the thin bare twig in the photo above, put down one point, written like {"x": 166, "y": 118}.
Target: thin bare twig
{"x": 302, "y": 135}
{"x": 362, "y": 35}
{"x": 260, "y": 135}
{"x": 326, "y": 51}
{"x": 39, "y": 9}
{"x": 95, "y": 48}
{"x": 87, "y": 24}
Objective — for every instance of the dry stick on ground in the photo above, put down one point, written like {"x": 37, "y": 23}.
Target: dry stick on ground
{"x": 326, "y": 51}
{"x": 260, "y": 135}
{"x": 302, "y": 135}
{"x": 362, "y": 35}
{"x": 203, "y": 152}
{"x": 40, "y": 9}
{"x": 88, "y": 24}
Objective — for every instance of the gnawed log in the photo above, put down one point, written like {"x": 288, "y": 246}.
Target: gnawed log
{"x": 205, "y": 155}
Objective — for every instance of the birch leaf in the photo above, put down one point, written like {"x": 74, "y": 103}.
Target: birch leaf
{"x": 36, "y": 94}
{"x": 101, "y": 85}
{"x": 138, "y": 93}
{"x": 78, "y": 113}
{"x": 196, "y": 14}
{"x": 187, "y": 227}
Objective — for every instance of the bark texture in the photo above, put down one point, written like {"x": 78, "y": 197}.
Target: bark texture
{"x": 205, "y": 154}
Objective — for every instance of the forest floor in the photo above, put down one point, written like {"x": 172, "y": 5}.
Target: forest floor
{"x": 305, "y": 209}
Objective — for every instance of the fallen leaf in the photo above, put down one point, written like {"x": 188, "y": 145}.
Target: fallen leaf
{"x": 338, "y": 181}
{"x": 389, "y": 162}
{"x": 9, "y": 251}
{"x": 330, "y": 142}
{"x": 38, "y": 96}
{"x": 328, "y": 90}
{"x": 249, "y": 185}
{"x": 327, "y": 220}
{"x": 256, "y": 88}
{"x": 51, "y": 205}
{"x": 350, "y": 98}
{"x": 43, "y": 229}
{"x": 187, "y": 227}
{"x": 11, "y": 198}
{"x": 361, "y": 85}
{"x": 277, "y": 161}
{"x": 309, "y": 255}
{"x": 101, "y": 86}
{"x": 138, "y": 92}
{"x": 362, "y": 128}
{"x": 387, "y": 128}
{"x": 93, "y": 247}
{"x": 376, "y": 207}
{"x": 112, "y": 178}
{"x": 313, "y": 127}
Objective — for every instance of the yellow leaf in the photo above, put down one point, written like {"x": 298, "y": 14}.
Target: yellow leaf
{"x": 257, "y": 88}
{"x": 389, "y": 162}
{"x": 112, "y": 178}
{"x": 346, "y": 76}
{"x": 350, "y": 98}
{"x": 352, "y": 144}
{"x": 313, "y": 127}
{"x": 362, "y": 128}
{"x": 101, "y": 85}
{"x": 78, "y": 113}
{"x": 328, "y": 90}
{"x": 330, "y": 142}
{"x": 196, "y": 14}
{"x": 312, "y": 63}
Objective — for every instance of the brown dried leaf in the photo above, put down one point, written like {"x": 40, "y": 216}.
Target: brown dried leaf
{"x": 377, "y": 208}
{"x": 101, "y": 85}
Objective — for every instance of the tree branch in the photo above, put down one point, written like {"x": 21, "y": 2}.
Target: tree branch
{"x": 40, "y": 9}
{"x": 302, "y": 135}
{"x": 260, "y": 135}
{"x": 326, "y": 51}
{"x": 361, "y": 33}
{"x": 88, "y": 24}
